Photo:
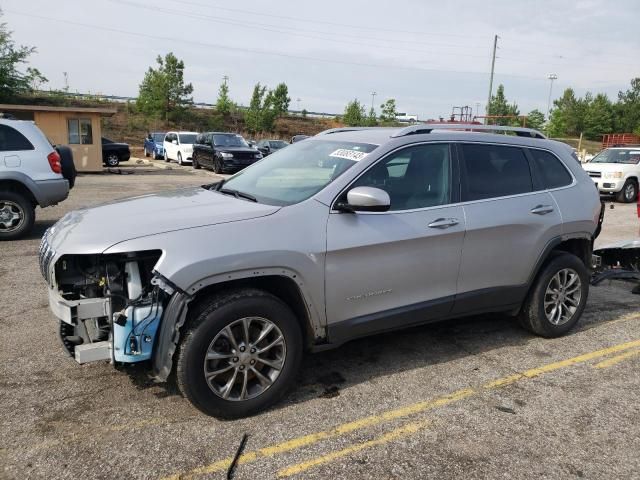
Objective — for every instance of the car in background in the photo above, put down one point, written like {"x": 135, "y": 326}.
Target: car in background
{"x": 178, "y": 146}
{"x": 223, "y": 152}
{"x": 153, "y": 146}
{"x": 298, "y": 138}
{"x": 113, "y": 152}
{"x": 32, "y": 173}
{"x": 616, "y": 171}
{"x": 267, "y": 147}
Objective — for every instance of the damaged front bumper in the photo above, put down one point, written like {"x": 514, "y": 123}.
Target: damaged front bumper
{"x": 131, "y": 337}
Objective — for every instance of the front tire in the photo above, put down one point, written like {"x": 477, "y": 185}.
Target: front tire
{"x": 180, "y": 159}
{"x": 217, "y": 166}
{"x": 166, "y": 157}
{"x": 17, "y": 215}
{"x": 557, "y": 298}
{"x": 240, "y": 354}
{"x": 629, "y": 192}
{"x": 195, "y": 163}
{"x": 146, "y": 153}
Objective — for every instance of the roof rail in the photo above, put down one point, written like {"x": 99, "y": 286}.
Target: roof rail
{"x": 343, "y": 129}
{"x": 430, "y": 127}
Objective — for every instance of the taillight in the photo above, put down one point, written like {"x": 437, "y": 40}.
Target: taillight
{"x": 54, "y": 162}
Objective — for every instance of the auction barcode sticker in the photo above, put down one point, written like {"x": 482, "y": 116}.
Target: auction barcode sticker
{"x": 354, "y": 155}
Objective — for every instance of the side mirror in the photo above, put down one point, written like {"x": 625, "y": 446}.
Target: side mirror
{"x": 175, "y": 142}
{"x": 366, "y": 199}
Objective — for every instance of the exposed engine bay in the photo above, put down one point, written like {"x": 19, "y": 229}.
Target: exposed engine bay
{"x": 116, "y": 305}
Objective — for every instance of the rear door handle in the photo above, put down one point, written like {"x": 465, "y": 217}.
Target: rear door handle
{"x": 443, "y": 223}
{"x": 542, "y": 209}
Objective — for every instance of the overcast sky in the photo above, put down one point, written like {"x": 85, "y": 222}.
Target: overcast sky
{"x": 428, "y": 55}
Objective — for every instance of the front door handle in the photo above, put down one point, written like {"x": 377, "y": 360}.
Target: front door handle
{"x": 443, "y": 223}
{"x": 542, "y": 209}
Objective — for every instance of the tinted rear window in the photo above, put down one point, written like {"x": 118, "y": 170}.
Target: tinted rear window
{"x": 494, "y": 171}
{"x": 12, "y": 140}
{"x": 550, "y": 169}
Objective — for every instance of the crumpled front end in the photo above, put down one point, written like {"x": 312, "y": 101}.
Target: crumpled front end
{"x": 109, "y": 305}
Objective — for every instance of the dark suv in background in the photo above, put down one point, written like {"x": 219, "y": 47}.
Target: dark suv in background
{"x": 223, "y": 152}
{"x": 267, "y": 147}
{"x": 113, "y": 152}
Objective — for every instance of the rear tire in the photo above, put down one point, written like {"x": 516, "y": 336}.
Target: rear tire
{"x": 210, "y": 330}
{"x": 112, "y": 160}
{"x": 557, "y": 298}
{"x": 629, "y": 192}
{"x": 17, "y": 215}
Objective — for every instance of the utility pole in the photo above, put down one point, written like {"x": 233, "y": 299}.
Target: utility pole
{"x": 493, "y": 65}
{"x": 299, "y": 100}
{"x": 373, "y": 96}
{"x": 552, "y": 77}
{"x": 226, "y": 79}
{"x": 66, "y": 81}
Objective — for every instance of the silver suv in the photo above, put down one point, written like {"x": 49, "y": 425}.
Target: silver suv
{"x": 349, "y": 233}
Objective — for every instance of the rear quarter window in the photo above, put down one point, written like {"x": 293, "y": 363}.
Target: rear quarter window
{"x": 12, "y": 140}
{"x": 550, "y": 170}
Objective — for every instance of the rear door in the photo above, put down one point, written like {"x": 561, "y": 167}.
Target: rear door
{"x": 16, "y": 153}
{"x": 509, "y": 221}
{"x": 392, "y": 269}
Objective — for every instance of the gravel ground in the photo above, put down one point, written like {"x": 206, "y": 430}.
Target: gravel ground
{"x": 462, "y": 399}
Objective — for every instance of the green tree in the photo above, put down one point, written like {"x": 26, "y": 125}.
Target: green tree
{"x": 304, "y": 113}
{"x": 372, "y": 120}
{"x": 535, "y": 119}
{"x": 253, "y": 116}
{"x": 163, "y": 92}
{"x": 354, "y": 114}
{"x": 281, "y": 100}
{"x": 627, "y": 109}
{"x": 500, "y": 106}
{"x": 269, "y": 112}
{"x": 224, "y": 105}
{"x": 599, "y": 117}
{"x": 567, "y": 116}
{"x": 388, "y": 111}
{"x": 13, "y": 81}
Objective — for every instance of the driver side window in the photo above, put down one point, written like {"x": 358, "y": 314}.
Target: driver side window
{"x": 414, "y": 177}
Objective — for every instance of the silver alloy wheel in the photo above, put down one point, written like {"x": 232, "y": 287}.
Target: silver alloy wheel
{"x": 630, "y": 191}
{"x": 11, "y": 216}
{"x": 562, "y": 297}
{"x": 245, "y": 358}
{"x": 112, "y": 160}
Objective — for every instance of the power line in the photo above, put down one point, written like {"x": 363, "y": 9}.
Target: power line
{"x": 49, "y": 20}
{"x": 335, "y": 24}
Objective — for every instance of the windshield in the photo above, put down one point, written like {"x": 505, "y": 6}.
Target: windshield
{"x": 229, "y": 141}
{"x": 157, "y": 137}
{"x": 630, "y": 157}
{"x": 187, "y": 138}
{"x": 297, "y": 172}
{"x": 277, "y": 144}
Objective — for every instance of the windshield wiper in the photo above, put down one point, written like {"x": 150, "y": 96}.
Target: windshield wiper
{"x": 238, "y": 194}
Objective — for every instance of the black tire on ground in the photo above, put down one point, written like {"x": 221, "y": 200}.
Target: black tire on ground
{"x": 66, "y": 161}
{"x": 15, "y": 204}
{"x": 629, "y": 192}
{"x": 195, "y": 163}
{"x": 533, "y": 316}
{"x": 217, "y": 166}
{"x": 146, "y": 153}
{"x": 166, "y": 157}
{"x": 209, "y": 319}
{"x": 112, "y": 160}
{"x": 180, "y": 159}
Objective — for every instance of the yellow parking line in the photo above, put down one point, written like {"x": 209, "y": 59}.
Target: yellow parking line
{"x": 402, "y": 412}
{"x": 617, "y": 359}
{"x": 391, "y": 436}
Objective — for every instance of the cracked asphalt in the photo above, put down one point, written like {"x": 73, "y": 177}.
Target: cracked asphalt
{"x": 472, "y": 398}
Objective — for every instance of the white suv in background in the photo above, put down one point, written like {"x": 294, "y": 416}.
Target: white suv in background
{"x": 616, "y": 171}
{"x": 32, "y": 173}
{"x": 178, "y": 146}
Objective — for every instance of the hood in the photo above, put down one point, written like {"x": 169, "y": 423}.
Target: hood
{"x": 93, "y": 230}
{"x": 159, "y": 144}
{"x": 237, "y": 149}
{"x": 608, "y": 167}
